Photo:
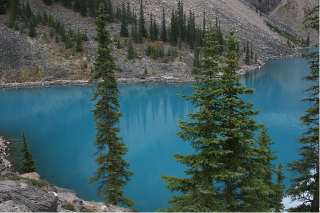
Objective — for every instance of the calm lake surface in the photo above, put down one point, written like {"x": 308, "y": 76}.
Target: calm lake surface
{"x": 60, "y": 128}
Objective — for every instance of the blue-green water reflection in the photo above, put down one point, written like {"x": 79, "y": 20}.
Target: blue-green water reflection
{"x": 60, "y": 129}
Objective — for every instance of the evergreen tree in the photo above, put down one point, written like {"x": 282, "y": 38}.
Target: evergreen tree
{"x": 27, "y": 161}
{"x": 2, "y": 7}
{"x": 11, "y": 19}
{"x": 155, "y": 30}
{"x": 173, "y": 35}
{"x": 308, "y": 41}
{"x": 109, "y": 10}
{"x": 14, "y": 11}
{"x": 91, "y": 8}
{"x": 79, "y": 47}
{"x": 129, "y": 13}
{"x": 51, "y": 21}
{"x": 134, "y": 33}
{"x": 57, "y": 25}
{"x": 16, "y": 26}
{"x": 123, "y": 12}
{"x": 247, "y": 59}
{"x": 223, "y": 174}
{"x": 130, "y": 50}
{"x": 83, "y": 8}
{"x": 112, "y": 174}
{"x": 44, "y": 18}
{"x": 142, "y": 28}
{"x": 279, "y": 189}
{"x": 251, "y": 54}
{"x": 191, "y": 35}
{"x": 62, "y": 33}
{"x": 118, "y": 13}
{"x": 265, "y": 157}
{"x": 118, "y": 44}
{"x": 28, "y": 10}
{"x": 32, "y": 30}
{"x": 181, "y": 21}
{"x": 57, "y": 38}
{"x": 305, "y": 182}
{"x": 124, "y": 30}
{"x": 68, "y": 43}
{"x": 39, "y": 17}
{"x": 163, "y": 35}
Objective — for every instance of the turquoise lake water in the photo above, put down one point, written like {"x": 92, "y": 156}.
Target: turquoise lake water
{"x": 60, "y": 128}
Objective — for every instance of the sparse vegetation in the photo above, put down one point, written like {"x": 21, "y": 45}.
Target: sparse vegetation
{"x": 70, "y": 207}
{"x": 290, "y": 37}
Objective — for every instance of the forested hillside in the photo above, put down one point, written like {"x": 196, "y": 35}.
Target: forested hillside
{"x": 49, "y": 40}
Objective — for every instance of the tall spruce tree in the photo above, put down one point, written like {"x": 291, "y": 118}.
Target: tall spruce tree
{"x": 28, "y": 10}
{"x": 223, "y": 174}
{"x": 247, "y": 59}
{"x": 123, "y": 12}
{"x": 134, "y": 33}
{"x": 266, "y": 156}
{"x": 130, "y": 50}
{"x": 305, "y": 182}
{"x": 163, "y": 35}
{"x": 79, "y": 47}
{"x": 27, "y": 161}
{"x": 112, "y": 174}
{"x": 32, "y": 30}
{"x": 129, "y": 13}
{"x": 173, "y": 34}
{"x": 181, "y": 21}
{"x": 279, "y": 189}
{"x": 124, "y": 29}
{"x": 142, "y": 27}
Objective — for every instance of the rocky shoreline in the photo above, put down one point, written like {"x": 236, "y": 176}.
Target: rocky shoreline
{"x": 142, "y": 79}
{"x": 28, "y": 193}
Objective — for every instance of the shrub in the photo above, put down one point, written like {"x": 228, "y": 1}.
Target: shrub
{"x": 70, "y": 207}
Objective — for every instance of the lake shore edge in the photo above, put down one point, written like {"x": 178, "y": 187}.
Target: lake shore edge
{"x": 153, "y": 79}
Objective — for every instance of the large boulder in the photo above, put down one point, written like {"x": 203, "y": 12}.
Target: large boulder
{"x": 32, "y": 175}
{"x": 34, "y": 198}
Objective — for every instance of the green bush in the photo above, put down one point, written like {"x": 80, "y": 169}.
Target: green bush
{"x": 70, "y": 207}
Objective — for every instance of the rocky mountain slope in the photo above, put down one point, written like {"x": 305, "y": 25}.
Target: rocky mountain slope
{"x": 291, "y": 13}
{"x": 41, "y": 59}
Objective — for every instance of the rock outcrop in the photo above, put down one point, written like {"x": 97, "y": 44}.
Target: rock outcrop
{"x": 26, "y": 193}
{"x": 34, "y": 198}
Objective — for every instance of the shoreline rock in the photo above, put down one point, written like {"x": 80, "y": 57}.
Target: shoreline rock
{"x": 28, "y": 193}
